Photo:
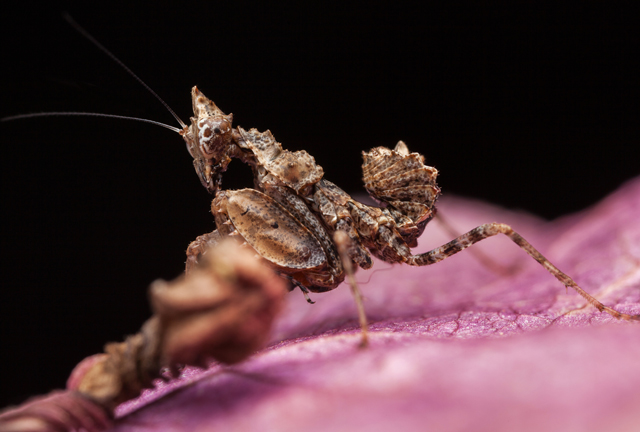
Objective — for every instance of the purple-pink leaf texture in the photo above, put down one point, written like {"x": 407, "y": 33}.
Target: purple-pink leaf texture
{"x": 453, "y": 347}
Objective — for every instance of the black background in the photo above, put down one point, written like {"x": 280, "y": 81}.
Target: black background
{"x": 527, "y": 106}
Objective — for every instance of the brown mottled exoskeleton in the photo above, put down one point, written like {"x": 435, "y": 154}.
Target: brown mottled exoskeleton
{"x": 292, "y": 215}
{"x": 307, "y": 228}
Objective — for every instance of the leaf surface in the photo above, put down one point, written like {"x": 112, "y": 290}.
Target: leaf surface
{"x": 454, "y": 346}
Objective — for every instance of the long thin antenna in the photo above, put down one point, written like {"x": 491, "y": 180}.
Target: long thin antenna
{"x": 88, "y": 114}
{"x": 91, "y": 39}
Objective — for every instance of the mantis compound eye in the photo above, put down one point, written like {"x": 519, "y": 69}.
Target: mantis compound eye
{"x": 214, "y": 136}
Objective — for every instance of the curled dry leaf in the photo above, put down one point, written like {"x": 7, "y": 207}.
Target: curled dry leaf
{"x": 222, "y": 310}
{"x": 58, "y": 411}
{"x": 227, "y": 324}
{"x": 454, "y": 346}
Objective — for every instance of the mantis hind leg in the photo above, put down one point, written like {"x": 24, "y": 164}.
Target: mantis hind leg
{"x": 489, "y": 230}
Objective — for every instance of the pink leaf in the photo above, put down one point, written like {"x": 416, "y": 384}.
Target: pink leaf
{"x": 454, "y": 346}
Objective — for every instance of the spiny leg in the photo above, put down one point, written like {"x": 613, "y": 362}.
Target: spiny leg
{"x": 488, "y": 230}
{"x": 480, "y": 256}
{"x": 303, "y": 288}
{"x": 342, "y": 241}
{"x": 305, "y": 292}
{"x": 199, "y": 246}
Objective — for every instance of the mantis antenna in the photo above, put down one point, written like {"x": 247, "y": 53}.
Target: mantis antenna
{"x": 91, "y": 39}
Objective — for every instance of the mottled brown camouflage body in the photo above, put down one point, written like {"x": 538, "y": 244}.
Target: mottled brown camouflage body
{"x": 292, "y": 216}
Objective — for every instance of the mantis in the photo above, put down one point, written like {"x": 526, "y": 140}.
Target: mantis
{"x": 309, "y": 230}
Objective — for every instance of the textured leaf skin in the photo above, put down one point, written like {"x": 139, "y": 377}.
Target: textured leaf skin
{"x": 453, "y": 346}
